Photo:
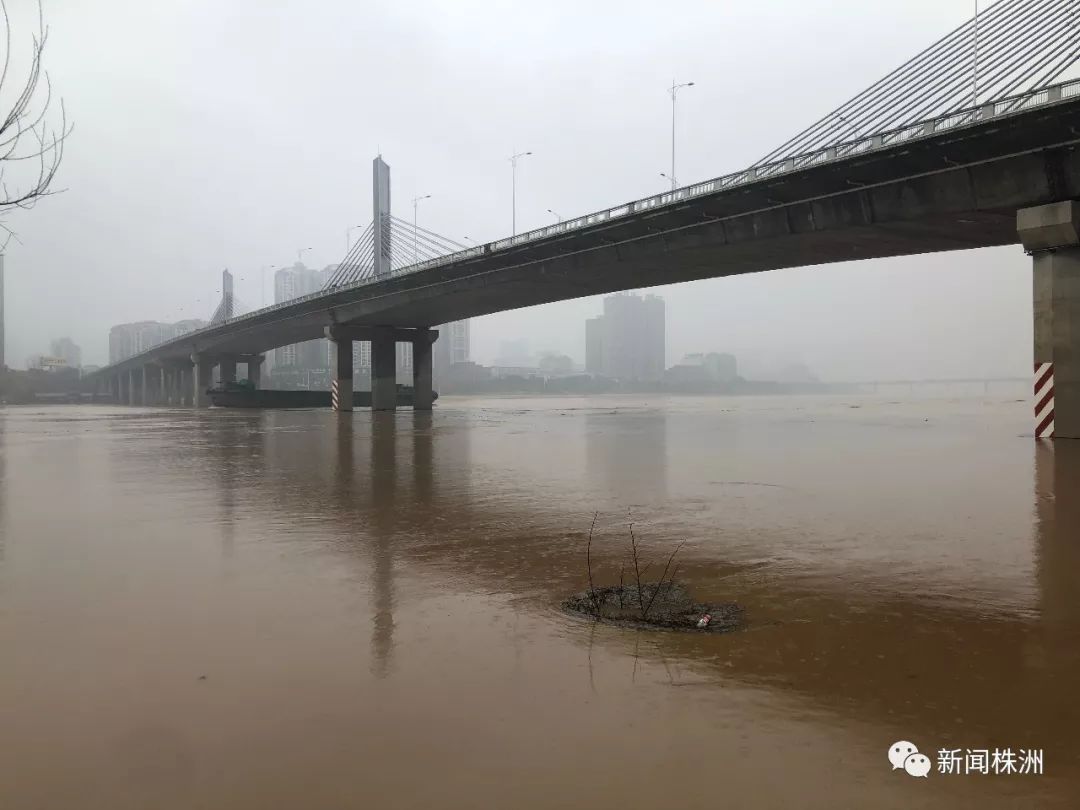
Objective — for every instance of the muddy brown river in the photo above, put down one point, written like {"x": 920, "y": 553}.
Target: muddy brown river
{"x": 291, "y": 609}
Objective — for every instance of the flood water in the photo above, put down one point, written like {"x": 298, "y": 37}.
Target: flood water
{"x": 291, "y": 609}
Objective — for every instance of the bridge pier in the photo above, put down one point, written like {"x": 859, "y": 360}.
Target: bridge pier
{"x": 227, "y": 369}
{"x": 423, "y": 397}
{"x": 1051, "y": 234}
{"x": 129, "y": 392}
{"x": 254, "y": 369}
{"x": 144, "y": 398}
{"x": 203, "y": 367}
{"x": 383, "y": 369}
{"x": 183, "y": 385}
{"x": 341, "y": 387}
{"x": 384, "y": 340}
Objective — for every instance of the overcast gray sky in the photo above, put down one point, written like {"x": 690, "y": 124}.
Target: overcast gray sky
{"x": 215, "y": 134}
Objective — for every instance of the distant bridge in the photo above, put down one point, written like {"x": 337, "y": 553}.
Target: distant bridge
{"x": 951, "y": 181}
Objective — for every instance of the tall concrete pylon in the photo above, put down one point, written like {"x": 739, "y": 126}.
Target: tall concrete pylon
{"x": 227, "y": 294}
{"x": 380, "y": 214}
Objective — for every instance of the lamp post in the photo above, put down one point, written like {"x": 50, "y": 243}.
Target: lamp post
{"x": 673, "y": 90}
{"x": 513, "y": 190}
{"x": 415, "y": 204}
{"x": 300, "y": 253}
{"x": 555, "y": 214}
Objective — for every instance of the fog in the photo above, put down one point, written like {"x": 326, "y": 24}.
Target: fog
{"x": 211, "y": 135}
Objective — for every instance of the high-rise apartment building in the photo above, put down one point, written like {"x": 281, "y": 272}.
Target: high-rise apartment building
{"x": 628, "y": 342}
{"x": 129, "y": 339}
{"x": 295, "y": 282}
{"x": 453, "y": 346}
{"x": 68, "y": 351}
{"x": 594, "y": 345}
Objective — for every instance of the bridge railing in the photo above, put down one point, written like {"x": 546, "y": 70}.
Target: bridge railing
{"x": 882, "y": 140}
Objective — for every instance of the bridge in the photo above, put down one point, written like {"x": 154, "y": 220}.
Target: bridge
{"x": 937, "y": 156}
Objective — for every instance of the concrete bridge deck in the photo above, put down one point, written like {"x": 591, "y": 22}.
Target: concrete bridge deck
{"x": 948, "y": 184}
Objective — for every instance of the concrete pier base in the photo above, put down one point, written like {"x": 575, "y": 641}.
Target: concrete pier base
{"x": 201, "y": 374}
{"x": 341, "y": 387}
{"x": 383, "y": 369}
{"x": 423, "y": 398}
{"x": 1051, "y": 233}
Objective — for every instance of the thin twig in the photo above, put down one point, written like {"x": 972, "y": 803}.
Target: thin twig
{"x": 588, "y": 566}
{"x": 637, "y": 570}
{"x": 660, "y": 584}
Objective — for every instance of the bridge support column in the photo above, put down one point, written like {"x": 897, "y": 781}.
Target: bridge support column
{"x": 421, "y": 358}
{"x": 129, "y": 389}
{"x": 227, "y": 370}
{"x": 144, "y": 398}
{"x": 255, "y": 369}
{"x": 341, "y": 387}
{"x": 201, "y": 374}
{"x": 184, "y": 385}
{"x": 383, "y": 369}
{"x": 1051, "y": 234}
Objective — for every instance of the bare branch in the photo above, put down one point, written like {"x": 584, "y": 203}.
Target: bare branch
{"x": 588, "y": 565}
{"x": 7, "y": 45}
{"x": 660, "y": 584}
{"x": 26, "y": 119}
{"x": 637, "y": 567}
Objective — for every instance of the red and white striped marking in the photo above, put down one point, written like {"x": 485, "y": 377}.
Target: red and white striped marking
{"x": 335, "y": 396}
{"x": 1044, "y": 400}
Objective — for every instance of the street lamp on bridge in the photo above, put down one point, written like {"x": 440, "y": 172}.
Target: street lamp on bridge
{"x": 300, "y": 253}
{"x": 415, "y": 204}
{"x": 673, "y": 90}
{"x": 555, "y": 214}
{"x": 513, "y": 190}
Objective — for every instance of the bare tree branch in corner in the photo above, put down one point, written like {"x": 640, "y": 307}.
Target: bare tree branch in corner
{"x": 31, "y": 146}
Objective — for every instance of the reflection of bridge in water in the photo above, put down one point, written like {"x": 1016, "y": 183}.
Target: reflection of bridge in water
{"x": 900, "y": 651}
